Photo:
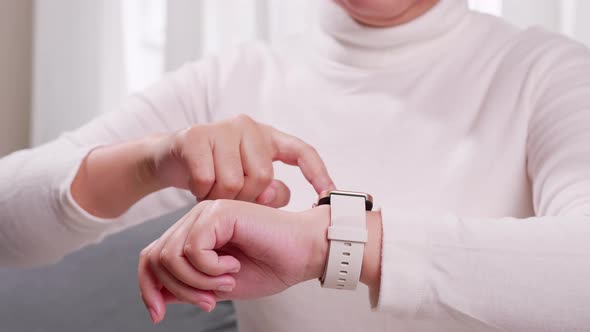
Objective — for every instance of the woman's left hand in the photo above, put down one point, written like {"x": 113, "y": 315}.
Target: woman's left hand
{"x": 232, "y": 250}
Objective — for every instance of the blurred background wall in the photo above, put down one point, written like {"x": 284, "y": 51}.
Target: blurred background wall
{"x": 63, "y": 62}
{"x": 16, "y": 22}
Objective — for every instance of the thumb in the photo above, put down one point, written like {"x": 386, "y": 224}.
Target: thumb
{"x": 276, "y": 195}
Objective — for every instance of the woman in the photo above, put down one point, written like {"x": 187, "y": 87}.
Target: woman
{"x": 474, "y": 137}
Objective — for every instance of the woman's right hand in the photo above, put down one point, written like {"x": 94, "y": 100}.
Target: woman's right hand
{"x": 232, "y": 159}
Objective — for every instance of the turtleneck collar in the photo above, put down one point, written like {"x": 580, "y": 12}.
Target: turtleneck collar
{"x": 344, "y": 40}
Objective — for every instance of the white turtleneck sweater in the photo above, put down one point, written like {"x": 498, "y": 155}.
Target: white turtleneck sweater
{"x": 473, "y": 136}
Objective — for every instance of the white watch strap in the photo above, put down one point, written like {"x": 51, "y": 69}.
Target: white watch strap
{"x": 347, "y": 235}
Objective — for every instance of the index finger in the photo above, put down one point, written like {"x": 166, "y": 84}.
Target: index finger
{"x": 294, "y": 151}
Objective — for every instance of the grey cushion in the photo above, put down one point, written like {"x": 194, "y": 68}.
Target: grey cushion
{"x": 96, "y": 289}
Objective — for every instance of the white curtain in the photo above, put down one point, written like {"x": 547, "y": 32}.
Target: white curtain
{"x": 197, "y": 28}
{"x": 90, "y": 54}
{"x": 78, "y": 66}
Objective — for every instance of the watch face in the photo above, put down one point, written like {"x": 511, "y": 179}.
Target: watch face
{"x": 324, "y": 197}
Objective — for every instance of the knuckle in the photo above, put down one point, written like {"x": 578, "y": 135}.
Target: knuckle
{"x": 205, "y": 179}
{"x": 224, "y": 127}
{"x": 165, "y": 257}
{"x": 263, "y": 176}
{"x": 186, "y": 137}
{"x": 195, "y": 131}
{"x": 244, "y": 119}
{"x": 308, "y": 148}
{"x": 232, "y": 184}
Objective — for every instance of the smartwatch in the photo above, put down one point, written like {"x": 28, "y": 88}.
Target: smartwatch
{"x": 347, "y": 235}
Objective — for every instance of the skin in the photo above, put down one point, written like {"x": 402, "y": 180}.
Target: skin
{"x": 234, "y": 250}
{"x": 231, "y": 159}
{"x": 385, "y": 13}
{"x": 227, "y": 249}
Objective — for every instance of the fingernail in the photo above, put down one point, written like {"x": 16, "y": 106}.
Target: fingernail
{"x": 234, "y": 270}
{"x": 205, "y": 306}
{"x": 225, "y": 288}
{"x": 153, "y": 315}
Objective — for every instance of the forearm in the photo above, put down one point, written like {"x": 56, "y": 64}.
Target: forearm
{"x": 38, "y": 225}
{"x": 113, "y": 178}
{"x": 43, "y": 210}
{"x": 449, "y": 267}
{"x": 514, "y": 274}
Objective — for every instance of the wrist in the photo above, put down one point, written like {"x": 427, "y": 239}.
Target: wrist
{"x": 316, "y": 223}
{"x": 111, "y": 179}
{"x": 146, "y": 167}
{"x": 371, "y": 268}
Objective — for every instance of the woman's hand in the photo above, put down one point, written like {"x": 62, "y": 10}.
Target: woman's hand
{"x": 233, "y": 159}
{"x": 230, "y": 159}
{"x": 232, "y": 250}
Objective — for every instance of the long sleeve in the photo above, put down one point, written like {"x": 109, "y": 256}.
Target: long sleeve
{"x": 39, "y": 220}
{"x": 508, "y": 274}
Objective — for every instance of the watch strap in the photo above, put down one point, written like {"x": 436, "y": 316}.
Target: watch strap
{"x": 347, "y": 234}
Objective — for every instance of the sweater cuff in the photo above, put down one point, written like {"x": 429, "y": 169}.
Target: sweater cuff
{"x": 75, "y": 216}
{"x": 405, "y": 253}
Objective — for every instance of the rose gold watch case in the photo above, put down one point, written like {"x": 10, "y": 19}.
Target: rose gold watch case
{"x": 324, "y": 197}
